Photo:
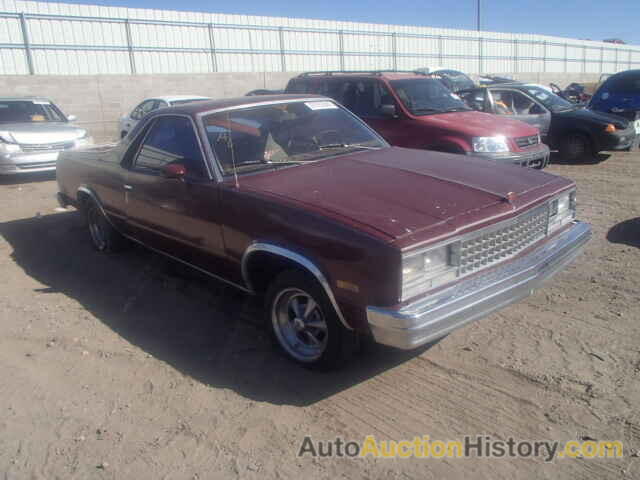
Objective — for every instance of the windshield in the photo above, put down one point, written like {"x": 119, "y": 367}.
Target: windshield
{"x": 423, "y": 96}
{"x": 285, "y": 134}
{"x": 550, "y": 100}
{"x": 29, "y": 111}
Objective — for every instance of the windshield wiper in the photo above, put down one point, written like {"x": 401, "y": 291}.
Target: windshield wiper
{"x": 346, "y": 145}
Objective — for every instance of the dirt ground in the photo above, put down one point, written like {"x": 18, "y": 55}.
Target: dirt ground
{"x": 130, "y": 367}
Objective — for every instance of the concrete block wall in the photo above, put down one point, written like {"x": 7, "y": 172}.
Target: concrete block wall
{"x": 99, "y": 100}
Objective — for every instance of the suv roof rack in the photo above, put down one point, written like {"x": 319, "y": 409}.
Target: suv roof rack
{"x": 355, "y": 72}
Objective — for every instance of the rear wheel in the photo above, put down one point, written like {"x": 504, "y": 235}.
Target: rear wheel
{"x": 104, "y": 237}
{"x": 304, "y": 323}
{"x": 575, "y": 147}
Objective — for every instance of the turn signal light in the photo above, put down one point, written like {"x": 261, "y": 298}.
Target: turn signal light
{"x": 610, "y": 128}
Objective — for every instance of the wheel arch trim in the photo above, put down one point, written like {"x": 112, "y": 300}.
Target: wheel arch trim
{"x": 297, "y": 258}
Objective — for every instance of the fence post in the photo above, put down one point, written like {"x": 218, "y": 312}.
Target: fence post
{"x": 212, "y": 49}
{"x": 515, "y": 55}
{"x": 616, "y": 60}
{"x": 394, "y": 50}
{"x": 341, "y": 48}
{"x": 566, "y": 58}
{"x": 27, "y": 44}
{"x": 480, "y": 53}
{"x": 283, "y": 64}
{"x": 601, "y": 58}
{"x": 544, "y": 57}
{"x": 584, "y": 58}
{"x": 440, "y": 50}
{"x": 132, "y": 59}
{"x": 630, "y": 58}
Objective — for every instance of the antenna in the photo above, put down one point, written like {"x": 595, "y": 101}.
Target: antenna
{"x": 233, "y": 152}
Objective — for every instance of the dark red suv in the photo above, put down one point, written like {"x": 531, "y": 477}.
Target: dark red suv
{"x": 417, "y": 111}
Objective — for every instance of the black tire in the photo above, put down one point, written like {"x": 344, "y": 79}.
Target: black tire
{"x": 104, "y": 237}
{"x": 576, "y": 147}
{"x": 337, "y": 342}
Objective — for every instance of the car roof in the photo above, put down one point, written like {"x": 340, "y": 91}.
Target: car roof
{"x": 196, "y": 108}
{"x": 26, "y": 99}
{"x": 390, "y": 75}
{"x": 174, "y": 98}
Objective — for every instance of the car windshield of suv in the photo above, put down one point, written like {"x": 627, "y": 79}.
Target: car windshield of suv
{"x": 424, "y": 96}
{"x": 550, "y": 100}
{"x": 29, "y": 111}
{"x": 285, "y": 134}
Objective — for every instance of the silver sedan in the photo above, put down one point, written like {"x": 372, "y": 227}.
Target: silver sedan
{"x": 33, "y": 131}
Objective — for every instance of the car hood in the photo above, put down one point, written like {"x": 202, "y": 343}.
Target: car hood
{"x": 398, "y": 193}
{"x": 584, "y": 114}
{"x": 479, "y": 124}
{"x": 50, "y": 132}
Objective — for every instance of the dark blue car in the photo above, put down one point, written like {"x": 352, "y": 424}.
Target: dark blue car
{"x": 620, "y": 94}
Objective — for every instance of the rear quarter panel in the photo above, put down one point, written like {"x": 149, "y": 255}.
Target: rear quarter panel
{"x": 97, "y": 169}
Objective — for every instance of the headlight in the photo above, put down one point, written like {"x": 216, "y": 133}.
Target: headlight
{"x": 562, "y": 210}
{"x": 6, "y": 137}
{"x": 495, "y": 144}
{"x": 8, "y": 143}
{"x": 83, "y": 139}
{"x": 428, "y": 269}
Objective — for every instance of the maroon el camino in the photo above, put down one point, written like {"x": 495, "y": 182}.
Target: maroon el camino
{"x": 294, "y": 198}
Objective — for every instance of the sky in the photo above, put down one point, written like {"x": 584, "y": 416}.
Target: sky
{"x": 582, "y": 19}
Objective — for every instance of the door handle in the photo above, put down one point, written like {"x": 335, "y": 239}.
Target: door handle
{"x": 128, "y": 187}
{"x": 617, "y": 110}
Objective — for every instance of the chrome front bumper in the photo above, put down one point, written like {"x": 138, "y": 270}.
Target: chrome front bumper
{"x": 28, "y": 162}
{"x": 432, "y": 317}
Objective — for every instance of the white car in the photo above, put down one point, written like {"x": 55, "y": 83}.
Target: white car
{"x": 127, "y": 122}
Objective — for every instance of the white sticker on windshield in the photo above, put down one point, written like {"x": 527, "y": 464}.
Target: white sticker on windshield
{"x": 323, "y": 105}
{"x": 453, "y": 95}
{"x": 41, "y": 102}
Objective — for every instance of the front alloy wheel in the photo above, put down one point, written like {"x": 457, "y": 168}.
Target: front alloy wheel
{"x": 299, "y": 325}
{"x": 304, "y": 323}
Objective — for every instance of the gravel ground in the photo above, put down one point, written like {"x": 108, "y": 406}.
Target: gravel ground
{"x": 129, "y": 366}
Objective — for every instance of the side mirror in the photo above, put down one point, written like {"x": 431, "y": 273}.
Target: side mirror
{"x": 389, "y": 110}
{"x": 174, "y": 170}
{"x": 72, "y": 118}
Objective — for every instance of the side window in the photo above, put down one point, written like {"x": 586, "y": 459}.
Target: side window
{"x": 365, "y": 98}
{"x": 171, "y": 140}
{"x": 474, "y": 99}
{"x": 511, "y": 102}
{"x": 142, "y": 109}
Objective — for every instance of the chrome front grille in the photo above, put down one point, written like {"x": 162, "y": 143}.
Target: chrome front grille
{"x": 496, "y": 245}
{"x": 530, "y": 141}
{"x": 46, "y": 147}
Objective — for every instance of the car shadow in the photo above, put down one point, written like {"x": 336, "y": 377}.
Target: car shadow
{"x": 202, "y": 327}
{"x": 627, "y": 233}
{"x": 23, "y": 178}
{"x": 560, "y": 160}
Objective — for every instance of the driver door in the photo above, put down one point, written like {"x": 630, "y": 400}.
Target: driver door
{"x": 177, "y": 216}
{"x": 517, "y": 105}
